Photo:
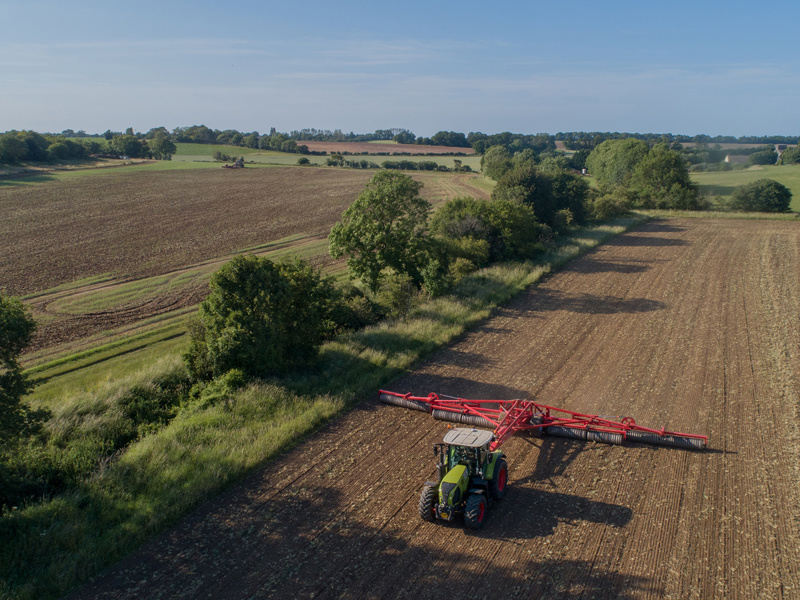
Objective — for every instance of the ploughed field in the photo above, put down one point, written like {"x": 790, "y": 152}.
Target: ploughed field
{"x": 691, "y": 325}
{"x": 374, "y": 148}
{"x": 106, "y": 229}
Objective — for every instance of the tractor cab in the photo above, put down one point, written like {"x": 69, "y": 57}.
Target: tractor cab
{"x": 469, "y": 474}
{"x": 469, "y": 447}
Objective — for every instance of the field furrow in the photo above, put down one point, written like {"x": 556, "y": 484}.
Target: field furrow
{"x": 689, "y": 325}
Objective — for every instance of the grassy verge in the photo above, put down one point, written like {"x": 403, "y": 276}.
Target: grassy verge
{"x": 50, "y": 547}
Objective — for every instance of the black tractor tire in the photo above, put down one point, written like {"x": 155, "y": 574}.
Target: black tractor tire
{"x": 498, "y": 484}
{"x": 475, "y": 511}
{"x": 427, "y": 502}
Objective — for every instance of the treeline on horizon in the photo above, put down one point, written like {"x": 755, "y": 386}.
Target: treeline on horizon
{"x": 158, "y": 142}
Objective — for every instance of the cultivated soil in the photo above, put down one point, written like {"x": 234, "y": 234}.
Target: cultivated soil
{"x": 370, "y": 148}
{"x": 691, "y": 325}
{"x": 128, "y": 226}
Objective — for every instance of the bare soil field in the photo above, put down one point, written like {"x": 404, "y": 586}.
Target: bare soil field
{"x": 125, "y": 226}
{"x": 370, "y": 148}
{"x": 689, "y": 325}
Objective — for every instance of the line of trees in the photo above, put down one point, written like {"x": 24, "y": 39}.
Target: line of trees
{"x": 30, "y": 146}
{"x": 584, "y": 140}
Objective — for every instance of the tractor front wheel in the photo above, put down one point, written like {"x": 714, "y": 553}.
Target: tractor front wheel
{"x": 475, "y": 511}
{"x": 427, "y": 502}
{"x": 499, "y": 482}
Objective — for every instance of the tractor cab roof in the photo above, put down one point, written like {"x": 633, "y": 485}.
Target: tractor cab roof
{"x": 471, "y": 438}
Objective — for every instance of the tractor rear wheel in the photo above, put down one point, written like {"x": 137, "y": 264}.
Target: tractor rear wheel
{"x": 498, "y": 483}
{"x": 427, "y": 502}
{"x": 475, "y": 511}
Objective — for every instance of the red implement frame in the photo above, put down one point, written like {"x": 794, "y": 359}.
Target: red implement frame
{"x": 508, "y": 417}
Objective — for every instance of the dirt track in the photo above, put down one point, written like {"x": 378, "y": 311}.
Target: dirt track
{"x": 691, "y": 325}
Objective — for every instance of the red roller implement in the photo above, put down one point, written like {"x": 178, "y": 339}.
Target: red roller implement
{"x": 508, "y": 417}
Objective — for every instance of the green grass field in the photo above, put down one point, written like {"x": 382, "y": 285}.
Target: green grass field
{"x": 722, "y": 183}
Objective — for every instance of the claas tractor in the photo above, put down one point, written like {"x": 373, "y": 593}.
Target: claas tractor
{"x": 469, "y": 475}
{"x": 472, "y": 470}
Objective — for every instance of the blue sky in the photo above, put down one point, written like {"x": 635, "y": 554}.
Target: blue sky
{"x": 730, "y": 68}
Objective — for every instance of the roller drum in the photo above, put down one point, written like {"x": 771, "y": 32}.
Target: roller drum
{"x": 454, "y": 417}
{"x": 567, "y": 432}
{"x": 675, "y": 441}
{"x": 405, "y": 403}
{"x": 606, "y": 437}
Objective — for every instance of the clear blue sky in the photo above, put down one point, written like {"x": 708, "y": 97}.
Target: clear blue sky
{"x": 677, "y": 66}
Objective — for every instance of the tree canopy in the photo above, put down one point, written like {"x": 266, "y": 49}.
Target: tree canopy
{"x": 614, "y": 161}
{"x": 16, "y": 329}
{"x": 382, "y": 229}
{"x": 548, "y": 189}
{"x": 261, "y": 317}
{"x": 661, "y": 179}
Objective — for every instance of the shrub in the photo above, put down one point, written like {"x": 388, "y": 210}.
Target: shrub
{"x": 763, "y": 157}
{"x": 468, "y": 226}
{"x": 763, "y": 195}
{"x": 261, "y": 317}
{"x": 610, "y": 202}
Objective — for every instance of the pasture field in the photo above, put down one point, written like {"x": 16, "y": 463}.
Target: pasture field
{"x": 685, "y": 324}
{"x": 722, "y": 183}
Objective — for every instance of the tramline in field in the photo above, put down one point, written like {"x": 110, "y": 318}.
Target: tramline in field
{"x": 471, "y": 468}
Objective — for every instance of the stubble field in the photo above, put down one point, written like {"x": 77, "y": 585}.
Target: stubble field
{"x": 686, "y": 324}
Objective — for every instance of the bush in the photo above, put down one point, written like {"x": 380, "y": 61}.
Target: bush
{"x": 763, "y": 195}
{"x": 303, "y": 161}
{"x": 352, "y": 310}
{"x": 790, "y": 156}
{"x": 469, "y": 227}
{"x": 261, "y": 317}
{"x": 764, "y": 157}
{"x": 609, "y": 202}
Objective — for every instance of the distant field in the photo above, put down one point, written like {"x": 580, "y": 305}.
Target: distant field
{"x": 202, "y": 153}
{"x": 359, "y": 147}
{"x": 722, "y": 183}
{"x": 209, "y": 149}
{"x": 104, "y": 250}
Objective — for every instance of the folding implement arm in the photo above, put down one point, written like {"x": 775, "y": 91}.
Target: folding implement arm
{"x": 508, "y": 417}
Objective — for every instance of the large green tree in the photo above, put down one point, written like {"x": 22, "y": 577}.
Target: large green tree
{"x": 161, "y": 147}
{"x": 16, "y": 329}
{"x": 383, "y": 229}
{"x": 548, "y": 189}
{"x": 496, "y": 162}
{"x": 128, "y": 145}
{"x": 508, "y": 229}
{"x": 261, "y": 317}
{"x": 661, "y": 180}
{"x": 614, "y": 161}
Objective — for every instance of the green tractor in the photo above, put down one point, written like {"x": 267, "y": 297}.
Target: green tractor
{"x": 469, "y": 475}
